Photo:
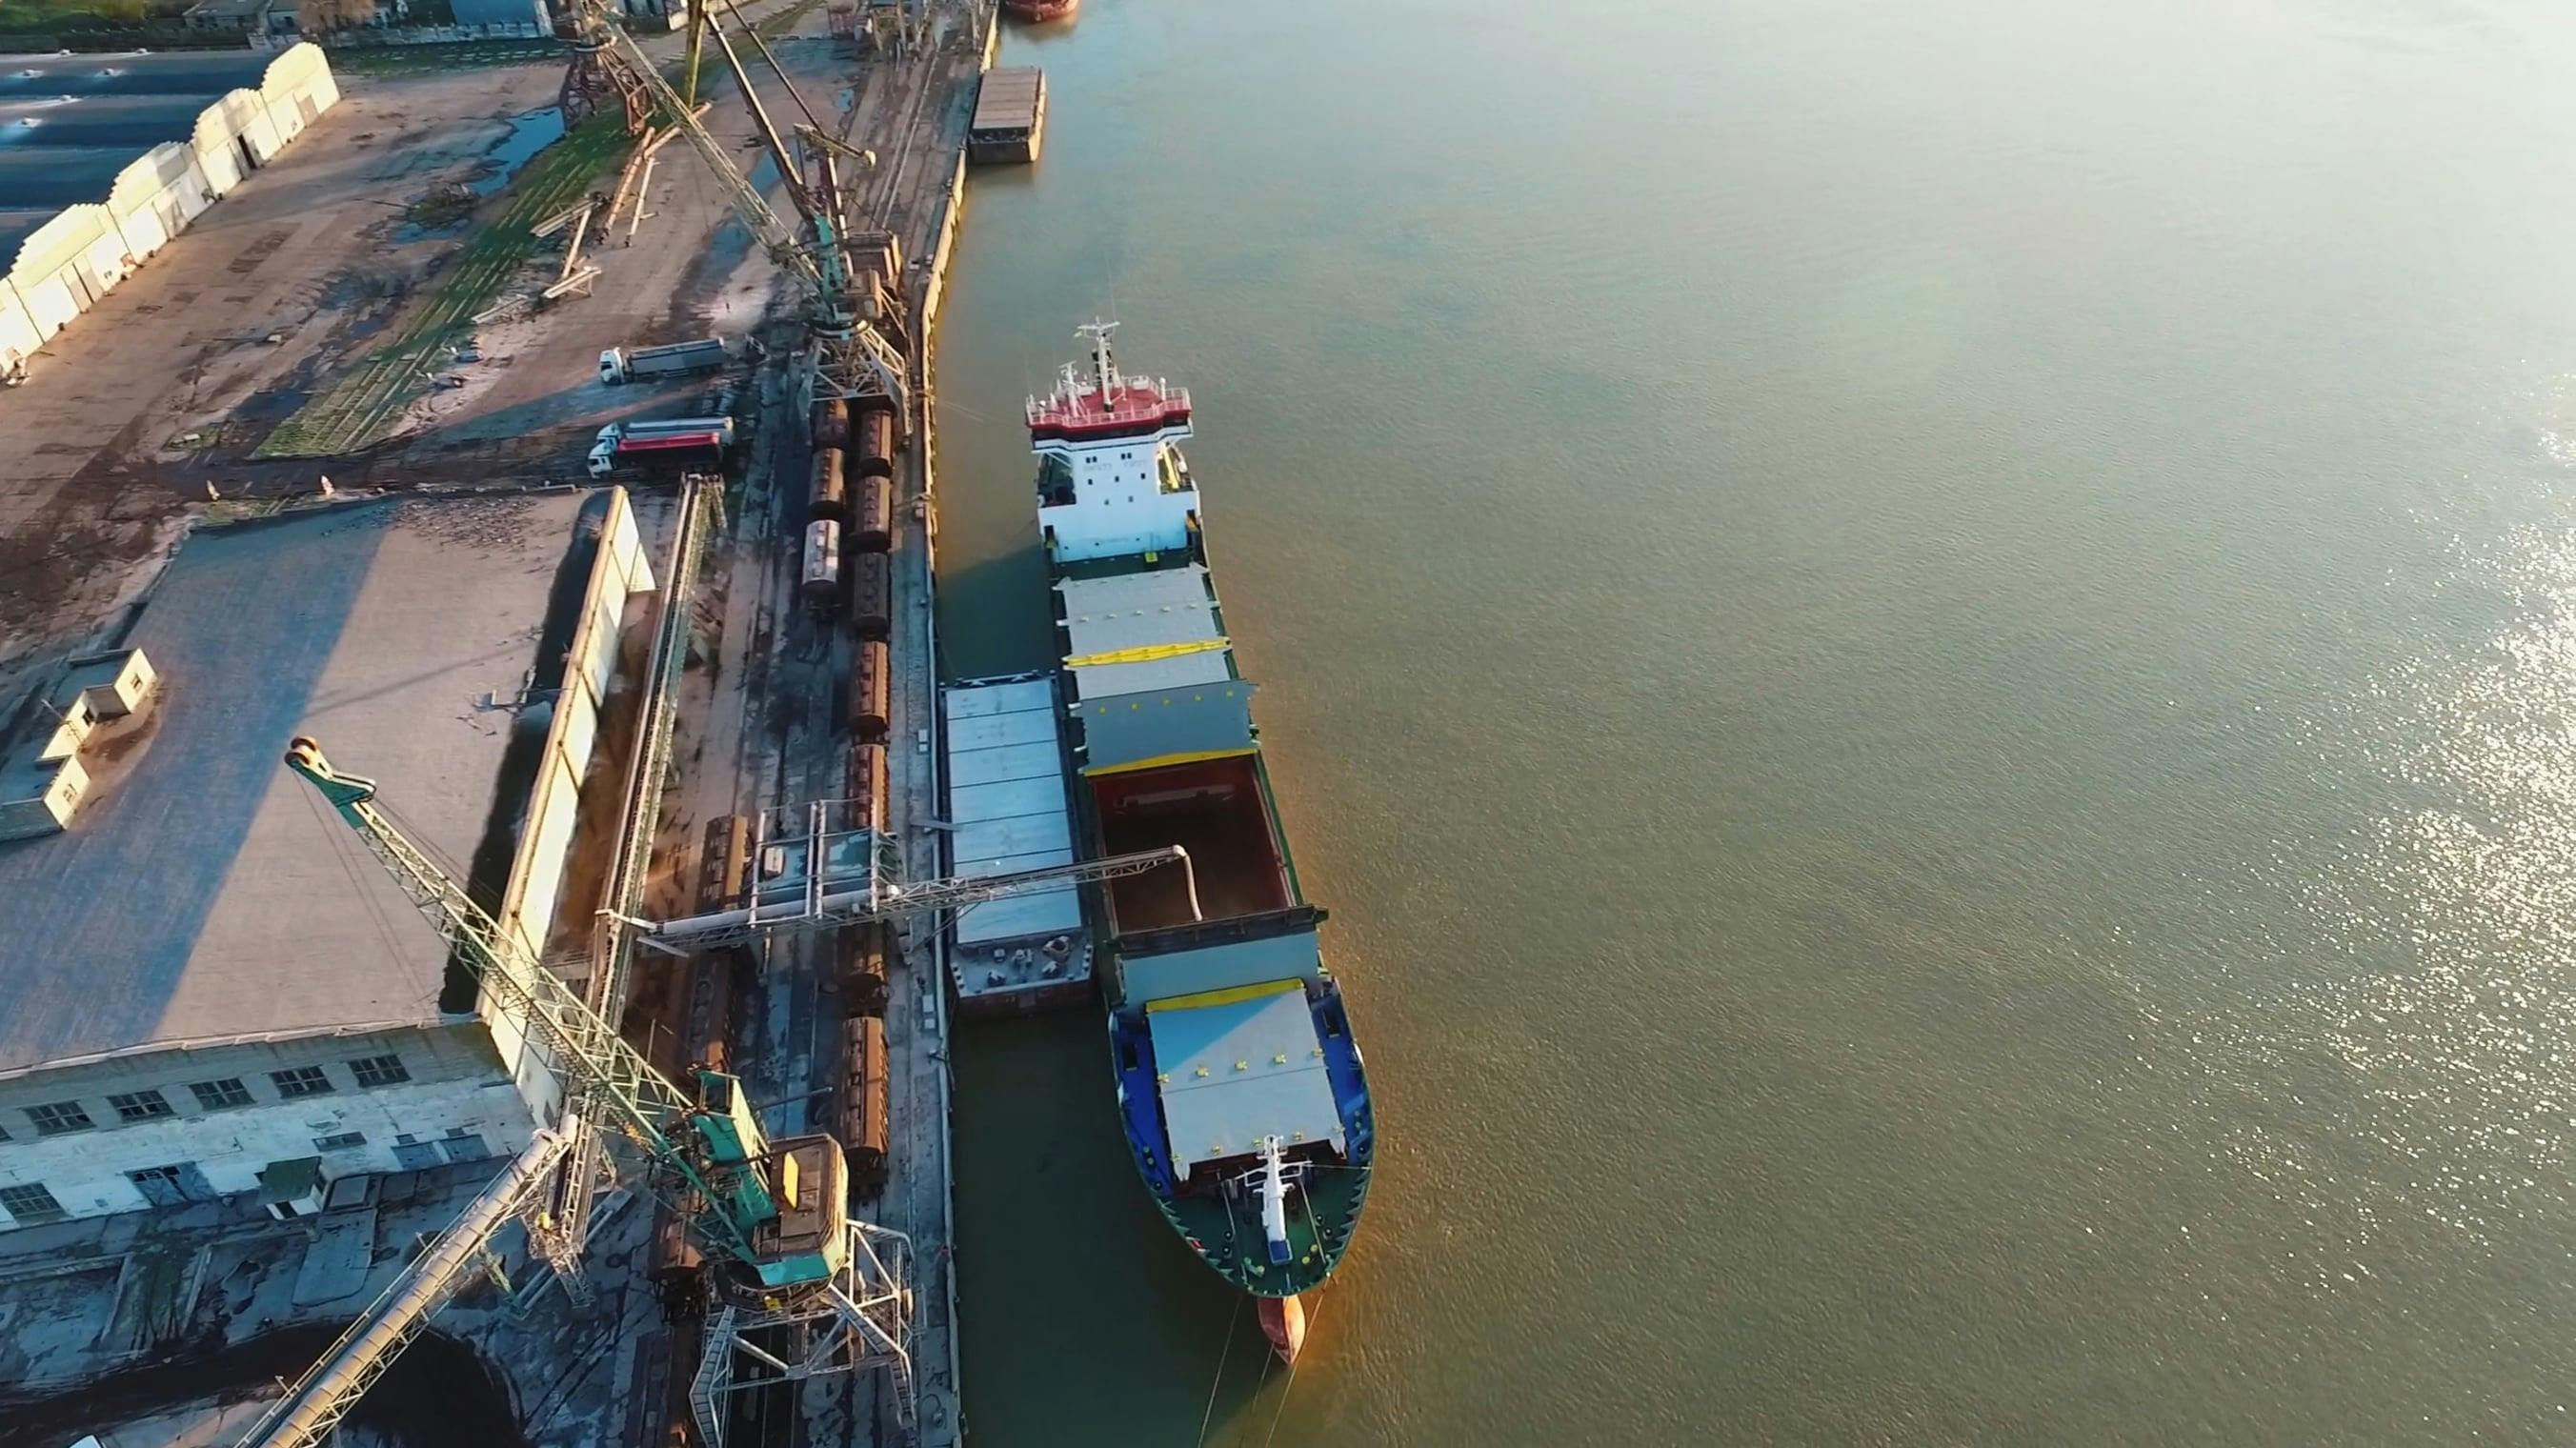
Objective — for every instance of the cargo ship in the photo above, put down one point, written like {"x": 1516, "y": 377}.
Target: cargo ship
{"x": 1240, "y": 1087}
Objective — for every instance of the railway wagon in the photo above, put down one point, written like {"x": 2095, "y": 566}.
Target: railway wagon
{"x": 871, "y": 527}
{"x": 828, "y": 496}
{"x": 868, "y": 785}
{"x": 862, "y": 970}
{"x": 871, "y": 596}
{"x": 871, "y": 691}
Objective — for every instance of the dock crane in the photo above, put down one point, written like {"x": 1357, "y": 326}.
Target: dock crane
{"x": 774, "y": 1213}
{"x": 855, "y": 357}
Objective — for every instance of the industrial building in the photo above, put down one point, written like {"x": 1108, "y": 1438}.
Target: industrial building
{"x": 215, "y": 989}
{"x": 105, "y": 158}
{"x": 41, "y": 791}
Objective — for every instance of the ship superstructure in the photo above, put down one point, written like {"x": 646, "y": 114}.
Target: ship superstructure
{"x": 1241, "y": 1090}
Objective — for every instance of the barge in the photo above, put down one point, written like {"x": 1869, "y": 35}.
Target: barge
{"x": 1009, "y": 125}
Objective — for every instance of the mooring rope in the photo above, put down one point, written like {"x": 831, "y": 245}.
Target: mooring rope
{"x": 1233, "y": 1319}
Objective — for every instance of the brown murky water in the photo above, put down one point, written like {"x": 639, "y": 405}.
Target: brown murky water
{"x": 1925, "y": 651}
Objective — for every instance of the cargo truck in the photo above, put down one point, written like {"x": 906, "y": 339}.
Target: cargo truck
{"x": 635, "y": 364}
{"x": 673, "y": 442}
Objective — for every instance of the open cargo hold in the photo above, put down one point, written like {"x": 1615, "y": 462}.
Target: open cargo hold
{"x": 871, "y": 687}
{"x": 1214, "y": 808}
{"x": 872, "y": 522}
{"x": 827, "y": 498}
{"x": 876, "y": 444}
{"x": 872, "y": 596}
{"x": 822, "y": 564}
{"x": 868, "y": 784}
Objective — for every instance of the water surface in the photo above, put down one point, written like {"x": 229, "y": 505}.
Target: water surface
{"x": 1924, "y": 652}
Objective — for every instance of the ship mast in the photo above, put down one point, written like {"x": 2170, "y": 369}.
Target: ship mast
{"x": 1271, "y": 1180}
{"x": 1103, "y": 365}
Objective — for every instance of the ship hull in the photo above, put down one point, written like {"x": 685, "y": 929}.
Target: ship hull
{"x": 1225, "y": 1233}
{"x": 1283, "y": 1321}
{"x": 1241, "y": 1089}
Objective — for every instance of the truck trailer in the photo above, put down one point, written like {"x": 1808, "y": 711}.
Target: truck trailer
{"x": 679, "y": 359}
{"x": 670, "y": 443}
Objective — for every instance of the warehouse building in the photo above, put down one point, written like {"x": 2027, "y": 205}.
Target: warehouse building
{"x": 215, "y": 989}
{"x": 105, "y": 158}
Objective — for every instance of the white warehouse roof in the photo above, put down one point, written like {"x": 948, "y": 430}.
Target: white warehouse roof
{"x": 206, "y": 892}
{"x": 104, "y": 158}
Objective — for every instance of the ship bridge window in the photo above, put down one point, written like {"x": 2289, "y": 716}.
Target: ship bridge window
{"x": 1055, "y": 482}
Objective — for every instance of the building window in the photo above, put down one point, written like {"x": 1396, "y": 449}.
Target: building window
{"x": 31, "y": 1204}
{"x": 216, "y": 1095}
{"x": 141, "y": 1106}
{"x": 342, "y": 1142}
{"x": 378, "y": 1071}
{"x": 301, "y": 1081}
{"x": 60, "y": 1117}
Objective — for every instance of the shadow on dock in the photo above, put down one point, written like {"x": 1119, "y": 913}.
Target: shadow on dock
{"x": 438, "y": 1394}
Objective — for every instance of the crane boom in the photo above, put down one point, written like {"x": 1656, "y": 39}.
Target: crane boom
{"x": 773, "y": 233}
{"x": 815, "y": 254}
{"x": 620, "y": 1082}
{"x": 709, "y": 1153}
{"x": 314, "y": 1404}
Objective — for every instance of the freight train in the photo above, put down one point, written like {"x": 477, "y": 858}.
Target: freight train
{"x": 697, "y": 1001}
{"x": 850, "y": 513}
{"x": 848, "y": 567}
